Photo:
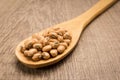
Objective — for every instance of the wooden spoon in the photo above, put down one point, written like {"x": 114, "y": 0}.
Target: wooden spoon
{"x": 75, "y": 26}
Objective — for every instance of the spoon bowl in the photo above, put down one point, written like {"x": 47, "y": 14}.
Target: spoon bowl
{"x": 74, "y": 26}
{"x": 35, "y": 64}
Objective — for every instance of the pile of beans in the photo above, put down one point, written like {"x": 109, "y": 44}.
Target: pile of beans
{"x": 44, "y": 46}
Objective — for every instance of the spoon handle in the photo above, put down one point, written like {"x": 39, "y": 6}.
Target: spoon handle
{"x": 93, "y": 12}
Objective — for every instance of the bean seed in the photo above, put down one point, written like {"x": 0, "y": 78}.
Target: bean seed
{"x": 64, "y": 44}
{"x": 41, "y": 39}
{"x": 45, "y": 55}
{"x": 45, "y": 42}
{"x": 61, "y": 49}
{"x": 36, "y": 36}
{"x": 47, "y": 48}
{"x": 22, "y": 49}
{"x": 67, "y": 36}
{"x": 60, "y": 38}
{"x": 45, "y": 34}
{"x": 54, "y": 44}
{"x": 62, "y": 31}
{"x": 67, "y": 41}
{"x": 26, "y": 52}
{"x": 53, "y": 40}
{"x": 38, "y": 46}
{"x": 59, "y": 33}
{"x": 37, "y": 56}
{"x": 54, "y": 52}
{"x": 53, "y": 35}
{"x": 32, "y": 52}
{"x": 29, "y": 43}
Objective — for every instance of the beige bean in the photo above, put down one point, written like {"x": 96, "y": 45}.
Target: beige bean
{"x": 54, "y": 44}
{"x": 60, "y": 38}
{"x": 64, "y": 44}
{"x": 45, "y": 33}
{"x": 37, "y": 56}
{"x": 53, "y": 35}
{"x": 32, "y": 52}
{"x": 41, "y": 39}
{"x": 22, "y": 49}
{"x": 53, "y": 40}
{"x": 47, "y": 48}
{"x": 36, "y": 36}
{"x": 61, "y": 49}
{"x": 45, "y": 55}
{"x": 45, "y": 41}
{"x": 54, "y": 52}
{"x": 26, "y": 52}
{"x": 47, "y": 38}
{"x": 29, "y": 43}
{"x": 38, "y": 46}
{"x": 67, "y": 41}
{"x": 67, "y": 36}
{"x": 61, "y": 32}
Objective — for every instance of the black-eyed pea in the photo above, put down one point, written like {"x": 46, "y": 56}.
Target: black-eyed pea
{"x": 41, "y": 39}
{"x": 50, "y": 30}
{"x": 36, "y": 36}
{"x": 53, "y": 40}
{"x": 64, "y": 44}
{"x": 61, "y": 48}
{"x": 67, "y": 36}
{"x": 32, "y": 51}
{"x": 38, "y": 46}
{"x": 59, "y": 33}
{"x": 45, "y": 55}
{"x": 54, "y": 44}
{"x": 47, "y": 38}
{"x": 60, "y": 38}
{"x": 47, "y": 48}
{"x": 63, "y": 31}
{"x": 22, "y": 49}
{"x": 54, "y": 52}
{"x": 45, "y": 42}
{"x": 26, "y": 52}
{"x": 53, "y": 35}
{"x": 45, "y": 33}
{"x": 29, "y": 43}
{"x": 67, "y": 41}
{"x": 37, "y": 56}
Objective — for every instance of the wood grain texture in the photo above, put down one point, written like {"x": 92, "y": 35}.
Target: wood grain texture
{"x": 96, "y": 57}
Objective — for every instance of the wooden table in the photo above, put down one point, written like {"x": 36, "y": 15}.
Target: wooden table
{"x": 96, "y": 57}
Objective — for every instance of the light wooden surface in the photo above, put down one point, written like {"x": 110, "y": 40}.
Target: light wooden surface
{"x": 96, "y": 57}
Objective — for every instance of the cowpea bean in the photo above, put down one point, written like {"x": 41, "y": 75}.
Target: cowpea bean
{"x": 67, "y": 41}
{"x": 61, "y": 49}
{"x": 38, "y": 46}
{"x": 64, "y": 44}
{"x": 54, "y": 52}
{"x": 37, "y": 56}
{"x": 45, "y": 55}
{"x": 53, "y": 35}
{"x": 47, "y": 48}
{"x": 67, "y": 36}
{"x": 32, "y": 52}
{"x": 60, "y": 38}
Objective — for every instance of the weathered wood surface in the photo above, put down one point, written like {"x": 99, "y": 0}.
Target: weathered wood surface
{"x": 96, "y": 57}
